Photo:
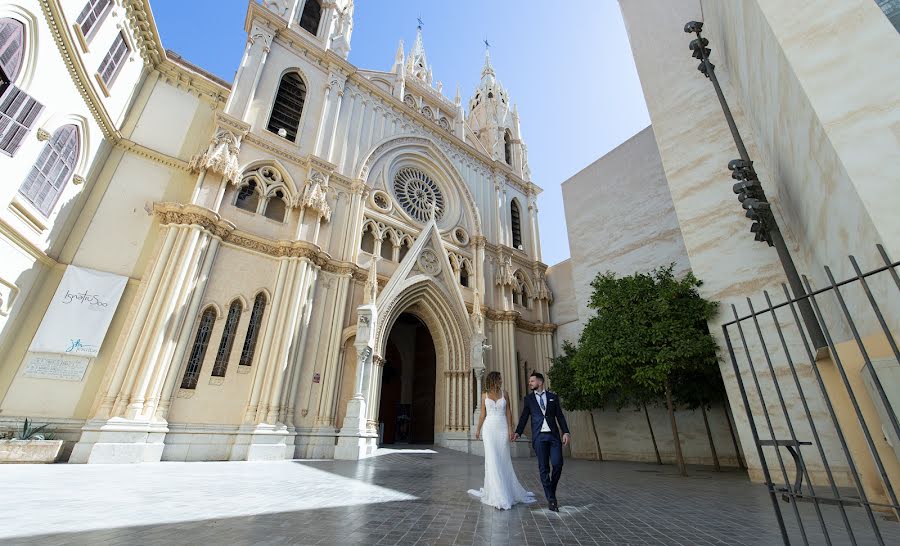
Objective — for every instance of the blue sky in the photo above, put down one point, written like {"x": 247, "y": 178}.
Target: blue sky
{"x": 570, "y": 71}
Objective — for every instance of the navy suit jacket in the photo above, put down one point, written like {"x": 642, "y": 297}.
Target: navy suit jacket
{"x": 554, "y": 416}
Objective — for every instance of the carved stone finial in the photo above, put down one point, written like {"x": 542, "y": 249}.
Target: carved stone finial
{"x": 505, "y": 275}
{"x": 371, "y": 288}
{"x": 221, "y": 155}
{"x": 477, "y": 316}
{"x": 314, "y": 196}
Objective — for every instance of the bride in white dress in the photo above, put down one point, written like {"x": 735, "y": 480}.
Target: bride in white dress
{"x": 501, "y": 486}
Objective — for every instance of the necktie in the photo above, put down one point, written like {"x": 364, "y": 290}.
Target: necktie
{"x": 541, "y": 402}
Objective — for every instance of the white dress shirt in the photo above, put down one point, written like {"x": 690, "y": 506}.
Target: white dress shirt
{"x": 542, "y": 397}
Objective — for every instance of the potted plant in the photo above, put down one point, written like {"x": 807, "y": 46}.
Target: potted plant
{"x": 30, "y": 444}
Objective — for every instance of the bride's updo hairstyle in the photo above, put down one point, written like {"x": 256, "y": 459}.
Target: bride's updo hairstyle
{"x": 492, "y": 382}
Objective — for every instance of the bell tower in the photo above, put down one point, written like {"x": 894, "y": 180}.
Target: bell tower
{"x": 328, "y": 22}
{"x": 495, "y": 121}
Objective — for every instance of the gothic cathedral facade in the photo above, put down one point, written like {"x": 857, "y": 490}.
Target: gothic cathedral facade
{"x": 320, "y": 258}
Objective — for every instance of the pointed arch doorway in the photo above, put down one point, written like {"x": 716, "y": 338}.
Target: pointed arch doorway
{"x": 407, "y": 406}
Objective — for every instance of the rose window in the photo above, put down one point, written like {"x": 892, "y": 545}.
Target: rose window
{"x": 417, "y": 193}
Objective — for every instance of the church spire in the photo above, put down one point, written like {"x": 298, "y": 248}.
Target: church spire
{"x": 487, "y": 70}
{"x": 416, "y": 63}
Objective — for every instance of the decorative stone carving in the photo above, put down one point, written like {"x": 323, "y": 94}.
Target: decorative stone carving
{"x": 279, "y": 7}
{"x": 43, "y": 134}
{"x": 177, "y": 214}
{"x": 429, "y": 262}
{"x": 543, "y": 291}
{"x": 504, "y": 275}
{"x": 221, "y": 155}
{"x": 315, "y": 197}
{"x": 371, "y": 288}
{"x": 477, "y": 316}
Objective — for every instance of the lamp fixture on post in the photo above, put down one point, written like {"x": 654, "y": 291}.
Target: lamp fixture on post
{"x": 751, "y": 194}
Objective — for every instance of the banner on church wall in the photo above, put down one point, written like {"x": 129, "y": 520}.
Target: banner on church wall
{"x": 79, "y": 314}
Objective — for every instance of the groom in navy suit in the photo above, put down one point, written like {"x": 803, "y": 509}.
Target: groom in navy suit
{"x": 547, "y": 420}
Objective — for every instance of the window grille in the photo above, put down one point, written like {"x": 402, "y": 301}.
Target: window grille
{"x": 256, "y": 316}
{"x": 516, "y": 224}
{"x": 93, "y": 13}
{"x": 288, "y": 106}
{"x": 114, "y": 60}
{"x": 227, "y": 342}
{"x": 52, "y": 170}
{"x": 198, "y": 351}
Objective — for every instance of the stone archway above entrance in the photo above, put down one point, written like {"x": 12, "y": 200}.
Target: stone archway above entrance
{"x": 424, "y": 283}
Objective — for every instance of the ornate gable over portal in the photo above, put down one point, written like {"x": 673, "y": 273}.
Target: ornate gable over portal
{"x": 425, "y": 276}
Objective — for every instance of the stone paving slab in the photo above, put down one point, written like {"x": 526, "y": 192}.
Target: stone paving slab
{"x": 399, "y": 497}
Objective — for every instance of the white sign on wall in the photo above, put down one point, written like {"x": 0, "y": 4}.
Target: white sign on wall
{"x": 79, "y": 313}
{"x": 49, "y": 366}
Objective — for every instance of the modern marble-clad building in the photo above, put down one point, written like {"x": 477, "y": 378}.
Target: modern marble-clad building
{"x": 620, "y": 218}
{"x": 316, "y": 254}
{"x": 822, "y": 134}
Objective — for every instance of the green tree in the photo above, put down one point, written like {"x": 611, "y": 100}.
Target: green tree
{"x": 649, "y": 329}
{"x": 701, "y": 390}
{"x": 562, "y": 377}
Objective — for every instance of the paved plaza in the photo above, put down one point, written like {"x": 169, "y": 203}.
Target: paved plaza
{"x": 415, "y": 496}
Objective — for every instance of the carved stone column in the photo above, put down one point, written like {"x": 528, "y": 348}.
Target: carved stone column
{"x": 259, "y": 43}
{"x": 356, "y": 439}
{"x": 336, "y": 83}
{"x": 127, "y": 426}
{"x": 535, "y": 232}
{"x": 264, "y": 434}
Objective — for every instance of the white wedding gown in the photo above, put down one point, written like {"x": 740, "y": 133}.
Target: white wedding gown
{"x": 501, "y": 487}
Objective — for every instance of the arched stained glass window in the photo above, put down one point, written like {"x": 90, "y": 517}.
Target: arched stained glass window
{"x": 256, "y": 316}
{"x": 198, "y": 351}
{"x": 227, "y": 342}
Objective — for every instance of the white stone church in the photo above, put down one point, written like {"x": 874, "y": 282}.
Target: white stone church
{"x": 315, "y": 258}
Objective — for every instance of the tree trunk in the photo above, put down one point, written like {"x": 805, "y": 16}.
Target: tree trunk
{"x": 712, "y": 445}
{"x": 596, "y": 437}
{"x": 737, "y": 450}
{"x": 652, "y": 436}
{"x": 679, "y": 457}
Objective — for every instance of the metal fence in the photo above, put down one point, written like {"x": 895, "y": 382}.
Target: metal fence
{"x": 806, "y": 406}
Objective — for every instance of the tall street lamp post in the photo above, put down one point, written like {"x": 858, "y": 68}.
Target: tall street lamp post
{"x": 751, "y": 194}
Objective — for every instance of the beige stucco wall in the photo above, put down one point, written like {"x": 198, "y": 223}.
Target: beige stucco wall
{"x": 110, "y": 229}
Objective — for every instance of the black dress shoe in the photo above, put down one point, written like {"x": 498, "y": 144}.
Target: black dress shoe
{"x": 554, "y": 506}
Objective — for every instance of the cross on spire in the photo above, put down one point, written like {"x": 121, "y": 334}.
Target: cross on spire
{"x": 487, "y": 45}
{"x": 419, "y": 19}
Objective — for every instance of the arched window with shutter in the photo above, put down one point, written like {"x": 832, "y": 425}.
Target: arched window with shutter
{"x": 284, "y": 120}
{"x": 515, "y": 223}
{"x": 228, "y": 335}
{"x": 18, "y": 110}
{"x": 507, "y": 147}
{"x": 310, "y": 16}
{"x": 256, "y": 316}
{"x": 52, "y": 170}
{"x": 198, "y": 351}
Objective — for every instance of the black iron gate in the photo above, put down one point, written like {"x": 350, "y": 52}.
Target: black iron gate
{"x": 841, "y": 501}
